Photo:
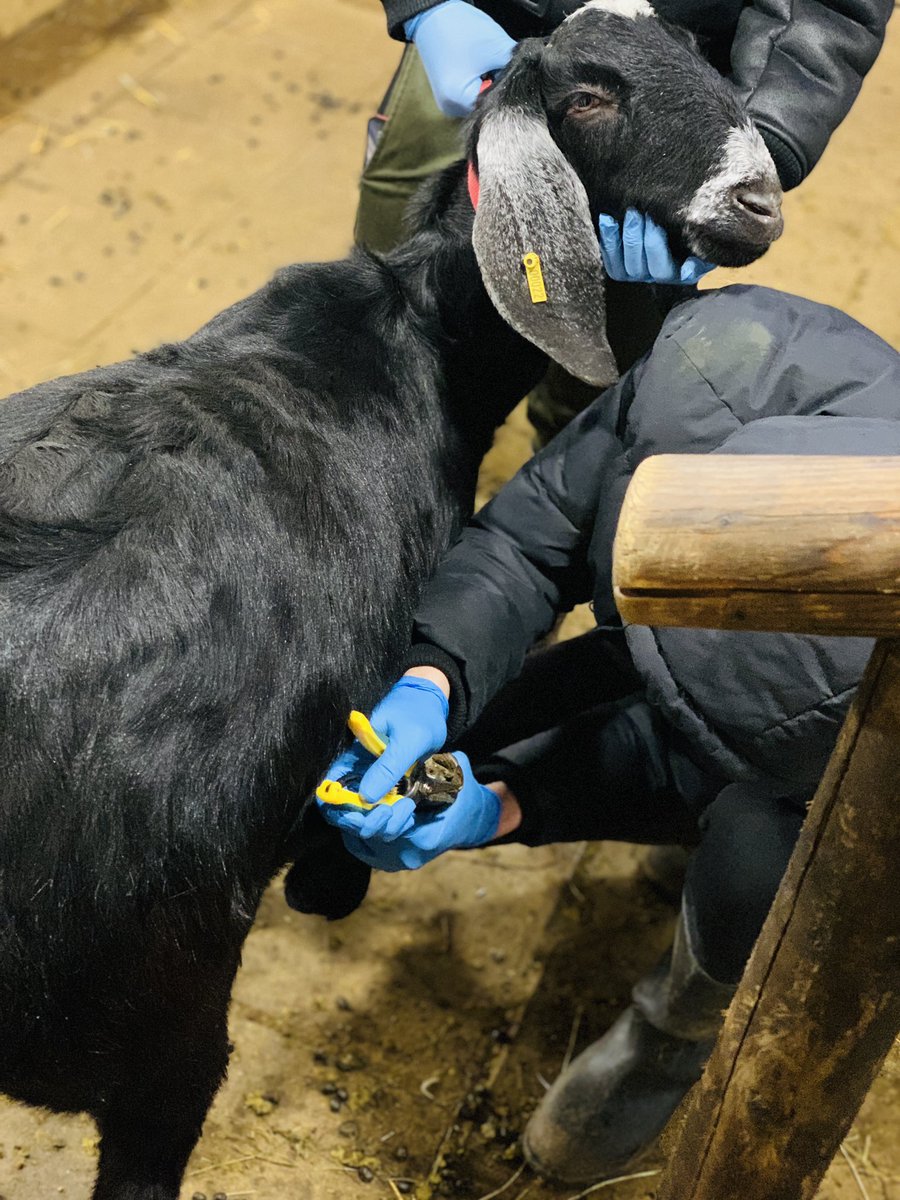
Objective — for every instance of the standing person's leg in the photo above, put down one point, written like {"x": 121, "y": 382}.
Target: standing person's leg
{"x": 606, "y": 1110}
{"x": 408, "y": 140}
{"x": 747, "y": 839}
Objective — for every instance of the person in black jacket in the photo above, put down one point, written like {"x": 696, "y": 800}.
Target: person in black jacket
{"x": 684, "y": 735}
{"x": 798, "y": 66}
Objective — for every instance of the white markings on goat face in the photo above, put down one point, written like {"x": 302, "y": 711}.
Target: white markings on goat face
{"x": 621, "y": 8}
{"x": 745, "y": 161}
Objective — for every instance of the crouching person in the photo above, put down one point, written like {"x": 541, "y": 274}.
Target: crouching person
{"x": 723, "y": 736}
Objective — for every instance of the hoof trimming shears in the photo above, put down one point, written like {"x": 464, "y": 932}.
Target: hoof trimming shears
{"x": 433, "y": 782}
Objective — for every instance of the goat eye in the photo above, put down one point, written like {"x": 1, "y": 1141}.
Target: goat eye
{"x": 586, "y": 102}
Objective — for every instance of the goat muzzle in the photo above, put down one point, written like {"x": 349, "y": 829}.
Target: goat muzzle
{"x": 759, "y": 209}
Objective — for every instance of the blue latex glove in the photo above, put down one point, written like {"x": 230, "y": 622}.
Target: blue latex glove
{"x": 639, "y": 253}
{"x": 458, "y": 43}
{"x": 409, "y": 840}
{"x": 412, "y": 719}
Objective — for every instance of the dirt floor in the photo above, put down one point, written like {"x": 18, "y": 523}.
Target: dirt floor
{"x": 159, "y": 159}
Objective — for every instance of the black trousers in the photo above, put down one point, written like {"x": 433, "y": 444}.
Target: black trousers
{"x": 611, "y": 767}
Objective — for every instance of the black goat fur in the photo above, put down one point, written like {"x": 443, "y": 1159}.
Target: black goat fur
{"x": 208, "y": 556}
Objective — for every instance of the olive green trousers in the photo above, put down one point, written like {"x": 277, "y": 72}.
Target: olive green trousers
{"x": 416, "y": 140}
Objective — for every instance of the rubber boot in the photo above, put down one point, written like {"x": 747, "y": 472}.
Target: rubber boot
{"x": 606, "y": 1110}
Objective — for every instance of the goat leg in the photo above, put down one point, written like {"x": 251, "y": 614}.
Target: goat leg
{"x": 153, "y": 1118}
{"x": 325, "y": 879}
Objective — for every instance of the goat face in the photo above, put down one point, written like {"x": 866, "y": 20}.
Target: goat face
{"x": 647, "y": 123}
{"x": 612, "y": 111}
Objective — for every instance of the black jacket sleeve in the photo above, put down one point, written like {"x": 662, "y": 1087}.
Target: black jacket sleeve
{"x": 520, "y": 562}
{"x": 398, "y": 11}
{"x": 798, "y": 65}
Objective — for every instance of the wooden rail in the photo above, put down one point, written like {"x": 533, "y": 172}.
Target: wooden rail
{"x": 809, "y": 545}
{"x": 806, "y": 545}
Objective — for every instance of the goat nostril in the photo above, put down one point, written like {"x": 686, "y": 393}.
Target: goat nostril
{"x": 765, "y": 206}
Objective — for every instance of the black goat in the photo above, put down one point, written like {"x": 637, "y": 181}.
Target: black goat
{"x": 208, "y": 555}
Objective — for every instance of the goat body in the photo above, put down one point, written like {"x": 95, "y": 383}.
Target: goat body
{"x": 207, "y": 557}
{"x": 210, "y": 554}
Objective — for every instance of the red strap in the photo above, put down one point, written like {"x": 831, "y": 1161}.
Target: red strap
{"x": 471, "y": 177}
{"x": 474, "y": 187}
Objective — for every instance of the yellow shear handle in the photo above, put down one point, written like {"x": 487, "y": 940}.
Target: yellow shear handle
{"x": 331, "y": 792}
{"x": 361, "y": 728}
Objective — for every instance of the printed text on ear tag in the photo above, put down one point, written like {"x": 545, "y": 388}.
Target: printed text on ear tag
{"x": 535, "y": 277}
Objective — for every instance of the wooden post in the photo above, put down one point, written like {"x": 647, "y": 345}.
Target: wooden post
{"x": 819, "y": 1005}
{"x": 809, "y": 546}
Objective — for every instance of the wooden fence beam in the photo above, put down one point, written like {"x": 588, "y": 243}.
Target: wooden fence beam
{"x": 796, "y": 544}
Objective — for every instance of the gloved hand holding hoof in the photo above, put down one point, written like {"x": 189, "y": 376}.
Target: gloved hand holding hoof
{"x": 412, "y": 719}
{"x": 400, "y": 837}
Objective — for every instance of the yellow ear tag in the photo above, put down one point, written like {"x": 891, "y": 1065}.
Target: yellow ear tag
{"x": 535, "y": 277}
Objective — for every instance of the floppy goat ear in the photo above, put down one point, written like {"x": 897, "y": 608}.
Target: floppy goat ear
{"x": 531, "y": 203}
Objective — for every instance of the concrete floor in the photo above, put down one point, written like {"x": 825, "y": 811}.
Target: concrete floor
{"x": 159, "y": 159}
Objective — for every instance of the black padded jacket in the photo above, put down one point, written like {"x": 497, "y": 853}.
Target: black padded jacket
{"x": 798, "y": 64}
{"x": 744, "y": 370}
